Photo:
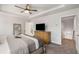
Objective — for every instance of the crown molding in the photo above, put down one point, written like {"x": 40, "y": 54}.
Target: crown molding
{"x": 11, "y": 14}
{"x": 44, "y": 12}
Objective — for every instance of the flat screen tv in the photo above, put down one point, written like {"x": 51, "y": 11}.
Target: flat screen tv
{"x": 40, "y": 27}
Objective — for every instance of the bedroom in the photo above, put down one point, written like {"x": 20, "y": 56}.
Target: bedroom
{"x": 49, "y": 15}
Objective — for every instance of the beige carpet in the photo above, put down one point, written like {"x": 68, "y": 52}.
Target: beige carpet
{"x": 67, "y": 47}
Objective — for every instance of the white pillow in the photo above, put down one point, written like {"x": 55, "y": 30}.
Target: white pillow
{"x": 27, "y": 36}
{"x": 2, "y": 39}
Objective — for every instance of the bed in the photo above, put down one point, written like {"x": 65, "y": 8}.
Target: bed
{"x": 23, "y": 45}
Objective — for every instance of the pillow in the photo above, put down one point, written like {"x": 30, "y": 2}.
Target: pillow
{"x": 27, "y": 36}
{"x": 2, "y": 39}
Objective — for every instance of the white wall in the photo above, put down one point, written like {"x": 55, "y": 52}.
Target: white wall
{"x": 6, "y": 23}
{"x": 53, "y": 23}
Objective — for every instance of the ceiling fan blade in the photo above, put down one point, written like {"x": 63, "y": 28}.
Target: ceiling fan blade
{"x": 19, "y": 7}
{"x": 33, "y": 10}
{"x": 22, "y": 11}
{"x": 30, "y": 12}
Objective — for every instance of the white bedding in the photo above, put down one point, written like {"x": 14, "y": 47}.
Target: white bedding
{"x": 4, "y": 48}
{"x": 34, "y": 39}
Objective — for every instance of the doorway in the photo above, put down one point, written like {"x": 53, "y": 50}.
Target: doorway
{"x": 67, "y": 27}
{"x": 68, "y": 31}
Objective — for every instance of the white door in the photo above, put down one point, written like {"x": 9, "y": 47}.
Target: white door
{"x": 29, "y": 29}
{"x": 76, "y": 34}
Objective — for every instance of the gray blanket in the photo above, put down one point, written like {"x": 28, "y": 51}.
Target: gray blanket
{"x": 20, "y": 45}
{"x": 30, "y": 43}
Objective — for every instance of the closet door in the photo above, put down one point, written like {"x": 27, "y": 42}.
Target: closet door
{"x": 29, "y": 30}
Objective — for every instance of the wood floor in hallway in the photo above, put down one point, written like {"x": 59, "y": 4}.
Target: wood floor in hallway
{"x": 67, "y": 47}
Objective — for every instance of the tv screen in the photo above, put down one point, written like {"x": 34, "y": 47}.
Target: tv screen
{"x": 40, "y": 27}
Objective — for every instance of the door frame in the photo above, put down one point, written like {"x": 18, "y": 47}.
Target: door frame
{"x": 74, "y": 29}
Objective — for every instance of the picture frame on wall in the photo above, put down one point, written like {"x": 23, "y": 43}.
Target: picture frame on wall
{"x": 16, "y": 30}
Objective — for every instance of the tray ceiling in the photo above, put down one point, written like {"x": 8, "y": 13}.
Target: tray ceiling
{"x": 10, "y": 8}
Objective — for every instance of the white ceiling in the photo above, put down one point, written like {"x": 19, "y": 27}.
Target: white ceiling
{"x": 43, "y": 9}
{"x": 40, "y": 7}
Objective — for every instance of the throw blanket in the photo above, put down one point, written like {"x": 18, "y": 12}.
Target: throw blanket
{"x": 17, "y": 46}
{"x": 23, "y": 45}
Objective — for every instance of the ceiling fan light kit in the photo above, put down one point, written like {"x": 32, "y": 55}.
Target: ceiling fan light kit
{"x": 26, "y": 11}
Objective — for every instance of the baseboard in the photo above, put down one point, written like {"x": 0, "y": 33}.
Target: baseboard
{"x": 77, "y": 50}
{"x": 56, "y": 43}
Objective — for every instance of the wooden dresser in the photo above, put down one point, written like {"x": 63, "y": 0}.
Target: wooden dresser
{"x": 44, "y": 36}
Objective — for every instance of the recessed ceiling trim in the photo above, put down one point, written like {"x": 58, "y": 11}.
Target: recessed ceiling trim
{"x": 52, "y": 9}
{"x": 11, "y": 14}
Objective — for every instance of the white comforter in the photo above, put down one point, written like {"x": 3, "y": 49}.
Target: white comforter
{"x": 31, "y": 38}
{"x": 4, "y": 48}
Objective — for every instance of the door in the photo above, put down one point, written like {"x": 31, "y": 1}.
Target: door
{"x": 29, "y": 29}
{"x": 76, "y": 34}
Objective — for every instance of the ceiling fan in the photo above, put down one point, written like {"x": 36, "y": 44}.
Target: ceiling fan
{"x": 27, "y": 9}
